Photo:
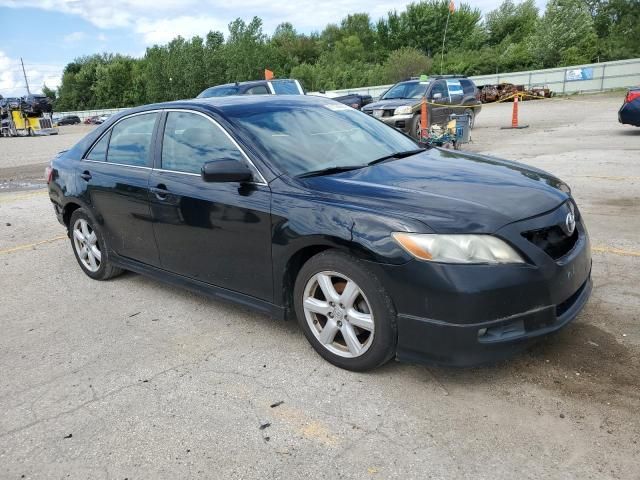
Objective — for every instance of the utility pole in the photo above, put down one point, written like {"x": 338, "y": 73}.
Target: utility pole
{"x": 25, "y": 77}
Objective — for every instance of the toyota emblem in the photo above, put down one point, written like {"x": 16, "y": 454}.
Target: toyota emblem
{"x": 570, "y": 223}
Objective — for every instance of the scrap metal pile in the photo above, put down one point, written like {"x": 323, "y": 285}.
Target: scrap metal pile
{"x": 505, "y": 92}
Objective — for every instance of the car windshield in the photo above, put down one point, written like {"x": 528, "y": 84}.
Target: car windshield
{"x": 218, "y": 92}
{"x": 314, "y": 137}
{"x": 406, "y": 90}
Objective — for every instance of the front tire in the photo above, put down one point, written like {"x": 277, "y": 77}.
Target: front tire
{"x": 345, "y": 312}
{"x": 90, "y": 247}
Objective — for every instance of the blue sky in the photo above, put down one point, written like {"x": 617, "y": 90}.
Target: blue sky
{"x": 48, "y": 34}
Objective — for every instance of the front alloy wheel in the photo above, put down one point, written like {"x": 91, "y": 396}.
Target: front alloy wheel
{"x": 345, "y": 312}
{"x": 338, "y": 313}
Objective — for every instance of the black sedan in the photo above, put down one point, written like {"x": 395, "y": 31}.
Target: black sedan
{"x": 629, "y": 113}
{"x": 70, "y": 120}
{"x": 303, "y": 207}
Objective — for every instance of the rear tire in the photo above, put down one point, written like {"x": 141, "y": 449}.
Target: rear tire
{"x": 90, "y": 248}
{"x": 345, "y": 312}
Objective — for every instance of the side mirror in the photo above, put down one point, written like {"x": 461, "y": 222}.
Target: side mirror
{"x": 226, "y": 170}
{"x": 437, "y": 96}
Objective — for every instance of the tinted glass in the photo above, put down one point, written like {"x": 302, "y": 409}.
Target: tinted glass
{"x": 406, "y": 90}
{"x": 131, "y": 140}
{"x": 468, "y": 87}
{"x": 218, "y": 92}
{"x": 99, "y": 150}
{"x": 259, "y": 90}
{"x": 441, "y": 88}
{"x": 312, "y": 137}
{"x": 285, "y": 87}
{"x": 190, "y": 140}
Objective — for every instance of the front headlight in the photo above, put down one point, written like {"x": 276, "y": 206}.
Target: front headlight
{"x": 457, "y": 248}
{"x": 403, "y": 110}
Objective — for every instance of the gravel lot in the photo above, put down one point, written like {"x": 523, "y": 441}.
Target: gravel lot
{"x": 135, "y": 379}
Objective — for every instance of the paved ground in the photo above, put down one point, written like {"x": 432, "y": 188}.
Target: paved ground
{"x": 135, "y": 379}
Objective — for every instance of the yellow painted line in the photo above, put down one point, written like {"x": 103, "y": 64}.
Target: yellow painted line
{"x": 22, "y": 196}
{"x": 31, "y": 245}
{"x": 616, "y": 251}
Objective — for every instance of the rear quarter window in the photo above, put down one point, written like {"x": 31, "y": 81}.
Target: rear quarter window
{"x": 468, "y": 87}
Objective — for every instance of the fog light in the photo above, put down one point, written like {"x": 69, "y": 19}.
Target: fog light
{"x": 482, "y": 332}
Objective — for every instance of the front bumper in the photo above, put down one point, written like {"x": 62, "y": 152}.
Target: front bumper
{"x": 401, "y": 122}
{"x": 465, "y": 315}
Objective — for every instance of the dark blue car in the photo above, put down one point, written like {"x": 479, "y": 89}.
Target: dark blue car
{"x": 302, "y": 207}
{"x": 629, "y": 113}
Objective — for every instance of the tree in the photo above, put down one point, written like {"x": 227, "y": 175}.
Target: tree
{"x": 511, "y": 22}
{"x": 404, "y": 63}
{"x": 565, "y": 35}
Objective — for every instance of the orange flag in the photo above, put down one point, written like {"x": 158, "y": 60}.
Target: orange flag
{"x": 268, "y": 74}
{"x": 452, "y": 6}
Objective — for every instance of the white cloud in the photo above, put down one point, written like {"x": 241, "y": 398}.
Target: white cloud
{"x": 165, "y": 29}
{"x": 12, "y": 80}
{"x": 75, "y": 37}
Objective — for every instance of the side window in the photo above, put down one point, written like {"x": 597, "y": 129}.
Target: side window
{"x": 439, "y": 87}
{"x": 258, "y": 90}
{"x": 99, "y": 150}
{"x": 130, "y": 142}
{"x": 190, "y": 140}
{"x": 285, "y": 87}
{"x": 468, "y": 87}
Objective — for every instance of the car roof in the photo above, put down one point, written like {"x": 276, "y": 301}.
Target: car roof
{"x": 232, "y": 103}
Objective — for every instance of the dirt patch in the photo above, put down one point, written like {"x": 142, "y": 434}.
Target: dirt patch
{"x": 23, "y": 177}
{"x": 623, "y": 202}
{"x": 584, "y": 361}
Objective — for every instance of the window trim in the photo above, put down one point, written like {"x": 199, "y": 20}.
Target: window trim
{"x": 108, "y": 132}
{"x": 261, "y": 181}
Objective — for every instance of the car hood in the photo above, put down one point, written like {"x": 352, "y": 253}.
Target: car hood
{"x": 398, "y": 102}
{"x": 449, "y": 192}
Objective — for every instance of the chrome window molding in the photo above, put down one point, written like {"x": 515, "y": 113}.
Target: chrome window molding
{"x": 108, "y": 130}
{"x": 262, "y": 180}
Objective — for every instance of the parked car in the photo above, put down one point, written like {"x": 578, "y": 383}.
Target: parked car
{"x": 102, "y": 118}
{"x": 400, "y": 106}
{"x": 629, "y": 113}
{"x": 281, "y": 86}
{"x": 299, "y": 207}
{"x": 94, "y": 120}
{"x": 69, "y": 120}
{"x": 354, "y": 100}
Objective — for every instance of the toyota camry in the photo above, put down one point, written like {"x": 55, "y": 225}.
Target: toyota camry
{"x": 301, "y": 207}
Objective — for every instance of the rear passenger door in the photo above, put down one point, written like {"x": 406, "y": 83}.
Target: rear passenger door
{"x": 218, "y": 233}
{"x": 116, "y": 172}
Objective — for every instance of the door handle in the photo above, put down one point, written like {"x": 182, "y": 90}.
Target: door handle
{"x": 85, "y": 175}
{"x": 160, "y": 191}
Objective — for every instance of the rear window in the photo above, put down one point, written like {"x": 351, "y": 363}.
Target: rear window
{"x": 218, "y": 92}
{"x": 285, "y": 87}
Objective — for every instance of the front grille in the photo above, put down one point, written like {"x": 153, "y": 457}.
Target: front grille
{"x": 553, "y": 240}
{"x": 45, "y": 123}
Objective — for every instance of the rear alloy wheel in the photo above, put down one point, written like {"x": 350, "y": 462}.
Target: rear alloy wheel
{"x": 345, "y": 313}
{"x": 89, "y": 247}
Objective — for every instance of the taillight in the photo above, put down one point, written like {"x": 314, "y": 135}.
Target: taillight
{"x": 632, "y": 95}
{"x": 48, "y": 174}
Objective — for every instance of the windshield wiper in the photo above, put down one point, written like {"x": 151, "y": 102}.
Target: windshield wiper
{"x": 395, "y": 155}
{"x": 329, "y": 170}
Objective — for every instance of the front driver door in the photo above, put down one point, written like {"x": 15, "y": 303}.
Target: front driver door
{"x": 218, "y": 233}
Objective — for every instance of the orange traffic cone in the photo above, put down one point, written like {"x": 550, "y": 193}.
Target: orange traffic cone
{"x": 514, "y": 116}
{"x": 424, "y": 120}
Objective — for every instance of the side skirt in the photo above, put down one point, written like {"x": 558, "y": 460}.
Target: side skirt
{"x": 202, "y": 288}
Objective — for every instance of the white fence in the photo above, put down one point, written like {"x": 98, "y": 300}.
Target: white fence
{"x": 593, "y": 77}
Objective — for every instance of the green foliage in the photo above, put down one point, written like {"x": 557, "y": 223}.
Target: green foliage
{"x": 357, "y": 51}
